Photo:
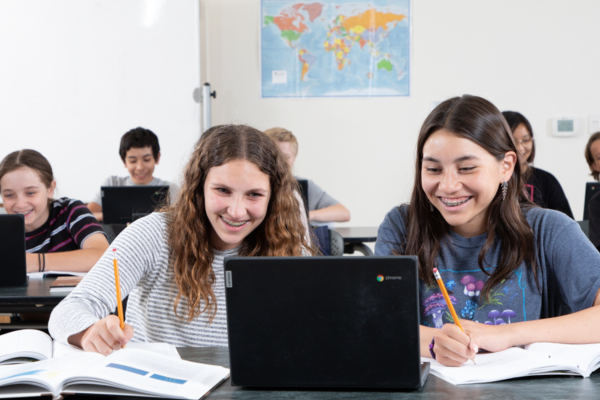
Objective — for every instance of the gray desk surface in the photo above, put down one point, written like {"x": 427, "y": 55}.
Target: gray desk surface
{"x": 358, "y": 234}
{"x": 548, "y": 388}
{"x": 36, "y": 292}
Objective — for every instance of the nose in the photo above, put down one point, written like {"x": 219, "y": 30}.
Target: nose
{"x": 449, "y": 182}
{"x": 237, "y": 208}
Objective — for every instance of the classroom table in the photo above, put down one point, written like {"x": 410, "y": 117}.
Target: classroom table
{"x": 33, "y": 298}
{"x": 547, "y": 387}
{"x": 356, "y": 237}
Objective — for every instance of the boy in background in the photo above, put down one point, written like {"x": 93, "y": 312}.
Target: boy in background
{"x": 140, "y": 153}
{"x": 322, "y": 207}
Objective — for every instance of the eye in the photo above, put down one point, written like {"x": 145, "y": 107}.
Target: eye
{"x": 222, "y": 190}
{"x": 7, "y": 196}
{"x": 31, "y": 193}
{"x": 466, "y": 169}
{"x": 433, "y": 170}
{"x": 255, "y": 195}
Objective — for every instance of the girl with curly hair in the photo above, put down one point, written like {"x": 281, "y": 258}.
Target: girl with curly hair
{"x": 238, "y": 198}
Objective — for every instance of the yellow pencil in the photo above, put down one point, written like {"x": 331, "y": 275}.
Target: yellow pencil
{"x": 118, "y": 286}
{"x": 440, "y": 283}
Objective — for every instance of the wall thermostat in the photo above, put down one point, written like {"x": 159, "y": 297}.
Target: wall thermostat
{"x": 566, "y": 126}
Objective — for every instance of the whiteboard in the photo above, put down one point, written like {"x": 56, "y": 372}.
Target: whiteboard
{"x": 75, "y": 75}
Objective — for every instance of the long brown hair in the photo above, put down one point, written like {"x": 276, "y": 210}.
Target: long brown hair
{"x": 282, "y": 232}
{"x": 479, "y": 121}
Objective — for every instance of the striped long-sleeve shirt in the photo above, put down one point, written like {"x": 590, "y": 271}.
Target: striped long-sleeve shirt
{"x": 148, "y": 278}
{"x": 69, "y": 224}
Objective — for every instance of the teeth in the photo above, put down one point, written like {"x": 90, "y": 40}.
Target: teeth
{"x": 455, "y": 203}
{"x": 233, "y": 224}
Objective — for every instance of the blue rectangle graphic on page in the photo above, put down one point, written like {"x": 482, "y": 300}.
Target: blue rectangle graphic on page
{"x": 167, "y": 379}
{"x": 128, "y": 369}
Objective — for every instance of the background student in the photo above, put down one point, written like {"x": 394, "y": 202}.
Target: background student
{"x": 543, "y": 188}
{"x": 509, "y": 264}
{"x": 63, "y": 232}
{"x": 321, "y": 206}
{"x": 592, "y": 156}
{"x": 237, "y": 198}
{"x": 140, "y": 153}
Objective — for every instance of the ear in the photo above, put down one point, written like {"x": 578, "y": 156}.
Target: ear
{"x": 51, "y": 189}
{"x": 157, "y": 158}
{"x": 507, "y": 166}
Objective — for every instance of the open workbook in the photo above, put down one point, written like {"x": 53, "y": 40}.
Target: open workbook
{"x": 27, "y": 345}
{"x": 516, "y": 362}
{"x": 125, "y": 372}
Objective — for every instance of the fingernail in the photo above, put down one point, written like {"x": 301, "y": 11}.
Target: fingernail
{"x": 475, "y": 348}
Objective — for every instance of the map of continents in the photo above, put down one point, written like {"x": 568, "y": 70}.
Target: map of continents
{"x": 335, "y": 48}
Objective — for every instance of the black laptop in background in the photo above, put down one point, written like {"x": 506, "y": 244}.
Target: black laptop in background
{"x": 591, "y": 188}
{"x": 13, "y": 267}
{"x": 303, "y": 183}
{"x": 324, "y": 322}
{"x": 124, "y": 204}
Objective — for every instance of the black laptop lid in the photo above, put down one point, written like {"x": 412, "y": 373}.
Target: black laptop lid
{"x": 123, "y": 204}
{"x": 346, "y": 322}
{"x": 13, "y": 268}
{"x": 591, "y": 188}
{"x": 303, "y": 183}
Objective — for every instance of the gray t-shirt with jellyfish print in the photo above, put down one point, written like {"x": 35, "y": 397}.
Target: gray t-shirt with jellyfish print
{"x": 568, "y": 276}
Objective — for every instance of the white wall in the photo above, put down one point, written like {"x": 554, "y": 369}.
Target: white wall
{"x": 538, "y": 57}
{"x": 75, "y": 75}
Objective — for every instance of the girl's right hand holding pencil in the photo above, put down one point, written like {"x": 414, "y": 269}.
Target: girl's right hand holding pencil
{"x": 104, "y": 336}
{"x": 453, "y": 347}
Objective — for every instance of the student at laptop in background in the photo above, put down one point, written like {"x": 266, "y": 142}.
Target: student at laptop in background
{"x": 509, "y": 264}
{"x": 321, "y": 206}
{"x": 140, "y": 153}
{"x": 237, "y": 198}
{"x": 543, "y": 188}
{"x": 60, "y": 234}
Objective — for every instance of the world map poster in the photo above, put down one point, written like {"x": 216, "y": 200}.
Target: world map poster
{"x": 333, "y": 48}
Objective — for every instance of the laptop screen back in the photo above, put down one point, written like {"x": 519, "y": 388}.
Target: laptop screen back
{"x": 13, "y": 268}
{"x": 123, "y": 204}
{"x": 350, "y": 322}
{"x": 591, "y": 188}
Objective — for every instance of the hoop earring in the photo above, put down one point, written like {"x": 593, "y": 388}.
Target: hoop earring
{"x": 504, "y": 185}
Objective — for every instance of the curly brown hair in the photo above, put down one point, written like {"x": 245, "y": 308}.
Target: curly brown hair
{"x": 282, "y": 233}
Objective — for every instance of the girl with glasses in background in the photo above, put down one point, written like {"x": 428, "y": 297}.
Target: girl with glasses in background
{"x": 541, "y": 186}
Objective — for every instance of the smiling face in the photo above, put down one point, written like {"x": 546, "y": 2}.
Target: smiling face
{"x": 23, "y": 192}
{"x": 236, "y": 196}
{"x": 524, "y": 142}
{"x": 460, "y": 179}
{"x": 140, "y": 163}
{"x": 595, "y": 150}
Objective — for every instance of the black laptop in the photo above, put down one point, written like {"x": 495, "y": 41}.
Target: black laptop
{"x": 13, "y": 268}
{"x": 591, "y": 188}
{"x": 123, "y": 204}
{"x": 324, "y": 322}
{"x": 303, "y": 183}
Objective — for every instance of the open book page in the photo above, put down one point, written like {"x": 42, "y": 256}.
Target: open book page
{"x": 584, "y": 357}
{"x": 147, "y": 373}
{"x": 45, "y": 375}
{"x": 491, "y": 367}
{"x": 24, "y": 345}
{"x": 161, "y": 348}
